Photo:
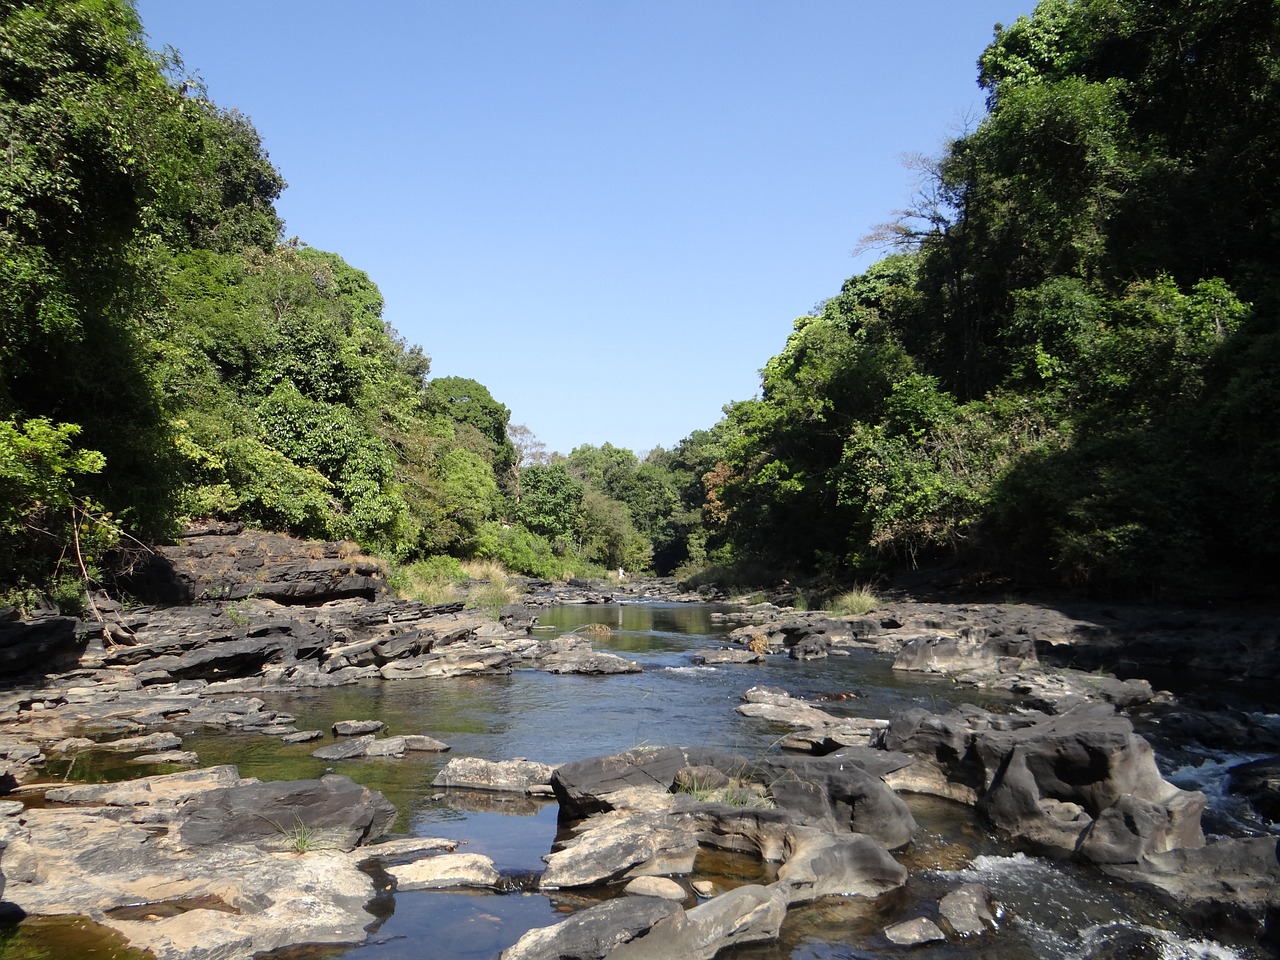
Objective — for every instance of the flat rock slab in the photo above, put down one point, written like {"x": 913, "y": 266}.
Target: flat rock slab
{"x": 302, "y": 736}
{"x": 446, "y": 871}
{"x": 345, "y": 749}
{"x": 354, "y": 728}
{"x": 505, "y": 776}
{"x": 417, "y": 743}
{"x": 169, "y": 789}
{"x": 168, "y": 756}
{"x": 593, "y": 664}
{"x": 330, "y": 813}
{"x": 713, "y": 657}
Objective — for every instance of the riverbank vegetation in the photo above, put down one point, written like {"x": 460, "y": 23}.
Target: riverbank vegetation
{"x": 1062, "y": 371}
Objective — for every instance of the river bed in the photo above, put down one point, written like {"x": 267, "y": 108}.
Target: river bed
{"x": 1050, "y": 910}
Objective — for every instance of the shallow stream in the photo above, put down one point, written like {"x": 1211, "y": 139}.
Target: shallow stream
{"x": 1051, "y": 910}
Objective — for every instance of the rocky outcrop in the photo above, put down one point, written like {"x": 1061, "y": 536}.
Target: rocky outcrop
{"x": 196, "y": 835}
{"x": 228, "y": 562}
{"x": 330, "y": 813}
{"x": 1082, "y": 782}
{"x": 814, "y": 729}
{"x": 647, "y": 812}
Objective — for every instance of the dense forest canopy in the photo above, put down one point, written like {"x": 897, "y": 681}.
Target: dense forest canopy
{"x": 1064, "y": 368}
{"x": 1068, "y": 368}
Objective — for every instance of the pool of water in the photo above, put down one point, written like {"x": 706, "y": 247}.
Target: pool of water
{"x": 1051, "y": 910}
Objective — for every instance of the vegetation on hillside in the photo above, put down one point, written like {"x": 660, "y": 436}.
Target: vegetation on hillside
{"x": 1065, "y": 368}
{"x": 166, "y": 355}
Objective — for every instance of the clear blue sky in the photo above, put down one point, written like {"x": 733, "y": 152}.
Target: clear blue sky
{"x": 607, "y": 212}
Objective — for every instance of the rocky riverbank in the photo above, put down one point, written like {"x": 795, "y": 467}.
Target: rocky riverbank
{"x": 1058, "y": 768}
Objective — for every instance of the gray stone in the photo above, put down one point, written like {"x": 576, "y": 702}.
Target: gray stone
{"x": 472, "y": 773}
{"x": 821, "y": 864}
{"x": 715, "y": 657}
{"x": 446, "y": 871}
{"x": 333, "y": 811}
{"x": 169, "y": 756}
{"x": 386, "y": 747}
{"x": 621, "y": 844}
{"x": 302, "y": 736}
{"x": 417, "y": 743}
{"x": 345, "y": 749}
{"x": 968, "y": 910}
{"x": 911, "y": 933}
{"x": 590, "y": 663}
{"x": 592, "y": 933}
{"x": 354, "y": 728}
{"x": 663, "y": 887}
{"x": 746, "y": 914}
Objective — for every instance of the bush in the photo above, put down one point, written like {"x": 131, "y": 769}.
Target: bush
{"x": 516, "y": 548}
{"x": 433, "y": 580}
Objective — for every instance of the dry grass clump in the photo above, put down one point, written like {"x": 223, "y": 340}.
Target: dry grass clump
{"x": 490, "y": 570}
{"x": 856, "y": 602}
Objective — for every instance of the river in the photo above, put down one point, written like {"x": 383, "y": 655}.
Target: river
{"x": 1050, "y": 910}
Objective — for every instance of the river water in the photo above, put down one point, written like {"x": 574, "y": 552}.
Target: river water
{"x": 1050, "y": 910}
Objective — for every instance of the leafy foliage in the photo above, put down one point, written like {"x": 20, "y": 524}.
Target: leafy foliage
{"x": 1051, "y": 376}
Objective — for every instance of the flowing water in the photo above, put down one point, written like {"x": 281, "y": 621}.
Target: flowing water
{"x": 1050, "y": 910}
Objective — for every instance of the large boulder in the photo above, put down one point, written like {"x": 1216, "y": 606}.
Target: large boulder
{"x": 333, "y": 812}
{"x": 836, "y": 793}
{"x": 583, "y": 787}
{"x": 1228, "y": 880}
{"x": 1259, "y": 781}
{"x": 821, "y": 864}
{"x": 622, "y": 844}
{"x": 1079, "y": 782}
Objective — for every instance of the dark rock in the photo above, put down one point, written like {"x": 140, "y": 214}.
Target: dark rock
{"x": 1228, "y": 877}
{"x": 582, "y": 787}
{"x": 838, "y": 794}
{"x": 821, "y": 864}
{"x": 590, "y": 663}
{"x": 251, "y": 563}
{"x": 1047, "y": 778}
{"x": 1259, "y": 781}
{"x": 45, "y": 644}
{"x": 340, "y": 813}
